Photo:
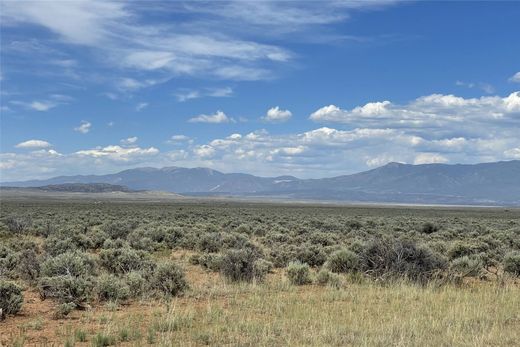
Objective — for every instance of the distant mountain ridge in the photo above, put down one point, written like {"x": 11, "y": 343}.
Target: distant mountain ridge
{"x": 85, "y": 188}
{"x": 482, "y": 184}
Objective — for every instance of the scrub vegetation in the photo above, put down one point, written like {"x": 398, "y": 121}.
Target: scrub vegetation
{"x": 226, "y": 273}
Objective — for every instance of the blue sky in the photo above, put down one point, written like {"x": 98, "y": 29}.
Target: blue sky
{"x": 312, "y": 89}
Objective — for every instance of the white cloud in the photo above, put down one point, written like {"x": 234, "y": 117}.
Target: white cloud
{"x": 204, "y": 151}
{"x": 129, "y": 141}
{"x": 515, "y": 78}
{"x": 513, "y": 153}
{"x": 118, "y": 153}
{"x": 127, "y": 84}
{"x": 485, "y": 87}
{"x": 141, "y": 106}
{"x": 218, "y": 117}
{"x": 450, "y": 114}
{"x": 429, "y": 158}
{"x": 84, "y": 127}
{"x": 33, "y": 144}
{"x": 183, "y": 94}
{"x": 40, "y": 106}
{"x": 277, "y": 115}
{"x": 179, "y": 138}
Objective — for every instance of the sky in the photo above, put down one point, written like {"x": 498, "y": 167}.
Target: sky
{"x": 310, "y": 89}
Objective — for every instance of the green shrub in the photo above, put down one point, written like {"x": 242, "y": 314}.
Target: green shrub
{"x": 11, "y": 298}
{"x": 28, "y": 267}
{"x": 119, "y": 230}
{"x": 137, "y": 283}
{"x": 168, "y": 279}
{"x": 63, "y": 310}
{"x": 111, "y": 288}
{"x": 325, "y": 277}
{"x": 466, "y": 266}
{"x": 261, "y": 268}
{"x": 298, "y": 273}
{"x": 66, "y": 289}
{"x": 210, "y": 261}
{"x": 239, "y": 265}
{"x": 125, "y": 259}
{"x": 18, "y": 224}
{"x": 343, "y": 261}
{"x": 460, "y": 249}
{"x": 311, "y": 254}
{"x": 429, "y": 228}
{"x": 8, "y": 261}
{"x": 387, "y": 258}
{"x": 74, "y": 264}
{"x": 512, "y": 263}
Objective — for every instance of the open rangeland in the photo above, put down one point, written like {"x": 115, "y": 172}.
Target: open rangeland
{"x": 256, "y": 274}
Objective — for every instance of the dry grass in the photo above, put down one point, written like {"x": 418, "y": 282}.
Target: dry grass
{"x": 276, "y": 313}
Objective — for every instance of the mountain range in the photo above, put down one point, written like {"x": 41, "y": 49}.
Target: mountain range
{"x": 495, "y": 183}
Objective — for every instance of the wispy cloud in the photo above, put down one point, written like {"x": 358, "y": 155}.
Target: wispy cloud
{"x": 84, "y": 127}
{"x": 129, "y": 141}
{"x": 485, "y": 87}
{"x": 183, "y": 95}
{"x": 141, "y": 106}
{"x": 515, "y": 78}
{"x": 206, "y": 38}
{"x": 40, "y": 106}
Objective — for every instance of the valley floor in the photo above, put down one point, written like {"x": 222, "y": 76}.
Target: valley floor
{"x": 276, "y": 313}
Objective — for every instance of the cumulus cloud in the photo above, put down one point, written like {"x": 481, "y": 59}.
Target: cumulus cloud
{"x": 448, "y": 113}
{"x": 513, "y": 153}
{"x": 84, "y": 127}
{"x": 218, "y": 117}
{"x": 33, "y": 144}
{"x": 204, "y": 151}
{"x": 277, "y": 115}
{"x": 118, "y": 153}
{"x": 515, "y": 78}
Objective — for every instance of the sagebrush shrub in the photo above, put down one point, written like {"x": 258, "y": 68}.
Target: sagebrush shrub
{"x": 429, "y": 228}
{"x": 168, "y": 279}
{"x": 466, "y": 266}
{"x": 239, "y": 265}
{"x": 74, "y": 264}
{"x": 124, "y": 259}
{"x": 387, "y": 258}
{"x": 512, "y": 263}
{"x": 137, "y": 283}
{"x": 210, "y": 261}
{"x": 66, "y": 289}
{"x": 11, "y": 298}
{"x": 28, "y": 267}
{"x": 111, "y": 288}
{"x": 325, "y": 277}
{"x": 18, "y": 224}
{"x": 298, "y": 273}
{"x": 311, "y": 254}
{"x": 67, "y": 278}
{"x": 343, "y": 261}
